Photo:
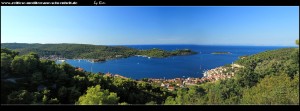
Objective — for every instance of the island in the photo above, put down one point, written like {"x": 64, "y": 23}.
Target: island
{"x": 94, "y": 53}
{"x": 98, "y": 60}
{"x": 221, "y": 53}
{"x": 158, "y": 53}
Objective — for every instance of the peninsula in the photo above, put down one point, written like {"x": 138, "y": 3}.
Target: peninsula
{"x": 96, "y": 53}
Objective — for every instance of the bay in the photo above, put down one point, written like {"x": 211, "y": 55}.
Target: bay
{"x": 171, "y": 67}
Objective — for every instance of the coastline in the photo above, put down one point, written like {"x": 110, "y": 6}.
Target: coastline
{"x": 212, "y": 75}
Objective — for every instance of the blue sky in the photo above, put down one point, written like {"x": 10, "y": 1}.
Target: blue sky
{"x": 125, "y": 25}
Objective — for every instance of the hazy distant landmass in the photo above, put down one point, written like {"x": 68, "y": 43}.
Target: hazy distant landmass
{"x": 87, "y": 51}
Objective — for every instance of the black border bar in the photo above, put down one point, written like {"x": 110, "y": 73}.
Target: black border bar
{"x": 151, "y": 107}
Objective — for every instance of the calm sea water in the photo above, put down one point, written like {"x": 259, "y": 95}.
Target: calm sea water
{"x": 171, "y": 67}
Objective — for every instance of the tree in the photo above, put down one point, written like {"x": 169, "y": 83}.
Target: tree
{"x": 297, "y": 42}
{"x": 123, "y": 103}
{"x": 74, "y": 94}
{"x": 20, "y": 97}
{"x": 279, "y": 89}
{"x": 37, "y": 78}
{"x": 53, "y": 101}
{"x": 45, "y": 99}
{"x": 31, "y": 62}
{"x": 81, "y": 82}
{"x": 94, "y": 79}
{"x": 94, "y": 95}
{"x": 247, "y": 78}
{"x": 5, "y": 64}
{"x": 70, "y": 70}
{"x": 151, "y": 103}
{"x": 194, "y": 95}
{"x": 9, "y": 52}
{"x": 170, "y": 100}
{"x": 63, "y": 95}
{"x": 37, "y": 97}
{"x": 34, "y": 55}
{"x": 214, "y": 94}
{"x": 46, "y": 93}
{"x": 17, "y": 66}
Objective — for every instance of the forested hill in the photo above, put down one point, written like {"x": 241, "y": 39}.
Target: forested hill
{"x": 25, "y": 79}
{"x": 86, "y": 51}
{"x": 270, "y": 77}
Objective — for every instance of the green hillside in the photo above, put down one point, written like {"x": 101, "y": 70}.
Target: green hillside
{"x": 270, "y": 77}
{"x": 86, "y": 51}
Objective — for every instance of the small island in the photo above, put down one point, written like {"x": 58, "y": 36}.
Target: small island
{"x": 183, "y": 52}
{"x": 158, "y": 53}
{"x": 221, "y": 53}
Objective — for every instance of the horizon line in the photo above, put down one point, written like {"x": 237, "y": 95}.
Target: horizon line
{"x": 159, "y": 44}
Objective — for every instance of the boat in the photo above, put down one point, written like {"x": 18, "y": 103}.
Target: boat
{"x": 91, "y": 60}
{"x": 149, "y": 57}
{"x": 62, "y": 60}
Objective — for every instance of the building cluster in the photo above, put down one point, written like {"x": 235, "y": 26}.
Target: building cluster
{"x": 53, "y": 57}
{"x": 216, "y": 74}
{"x": 220, "y": 73}
{"x": 79, "y": 69}
{"x": 171, "y": 84}
{"x": 208, "y": 76}
{"x": 120, "y": 76}
{"x": 115, "y": 75}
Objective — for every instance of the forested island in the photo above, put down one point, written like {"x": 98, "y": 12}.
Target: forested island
{"x": 221, "y": 53}
{"x": 85, "y": 51}
{"x": 270, "y": 77}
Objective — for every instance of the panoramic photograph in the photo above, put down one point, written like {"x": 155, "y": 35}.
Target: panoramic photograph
{"x": 150, "y": 55}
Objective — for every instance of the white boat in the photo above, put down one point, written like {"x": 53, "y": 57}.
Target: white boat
{"x": 61, "y": 60}
{"x": 149, "y": 57}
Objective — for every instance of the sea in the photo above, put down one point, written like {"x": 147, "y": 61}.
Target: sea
{"x": 171, "y": 67}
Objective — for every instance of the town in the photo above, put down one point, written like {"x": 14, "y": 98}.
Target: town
{"x": 53, "y": 58}
{"x": 223, "y": 72}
